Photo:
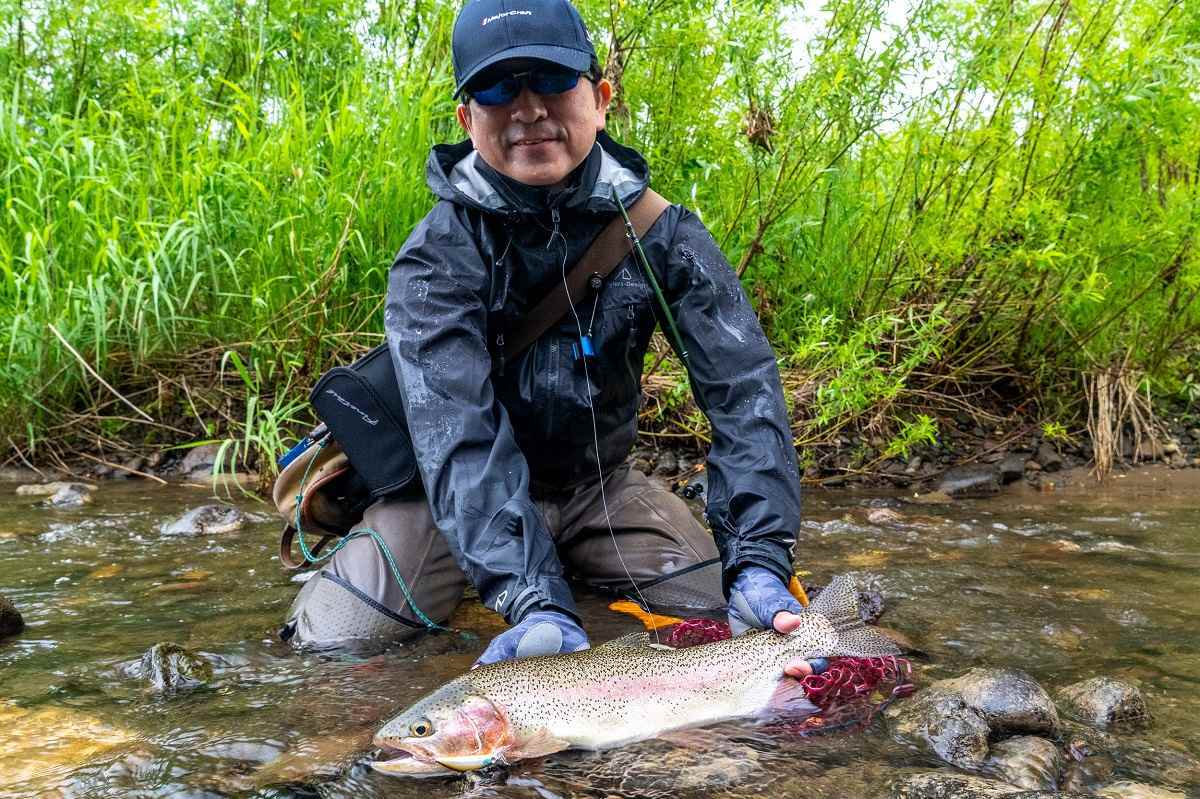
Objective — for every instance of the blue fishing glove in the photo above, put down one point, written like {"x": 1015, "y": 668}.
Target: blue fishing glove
{"x": 756, "y": 596}
{"x": 543, "y": 632}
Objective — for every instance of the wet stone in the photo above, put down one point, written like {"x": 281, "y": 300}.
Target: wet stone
{"x": 1026, "y": 761}
{"x": 1048, "y": 458}
{"x": 11, "y": 621}
{"x": 199, "y": 459}
{"x": 1104, "y": 702}
{"x": 1124, "y": 789}
{"x": 943, "y": 724}
{"x": 169, "y": 667}
{"x": 50, "y": 489}
{"x": 1008, "y": 699}
{"x": 1012, "y": 468}
{"x": 1067, "y": 637}
{"x": 956, "y": 718}
{"x": 135, "y": 464}
{"x": 948, "y": 785}
{"x": 970, "y": 481}
{"x": 884, "y": 516}
{"x": 657, "y": 770}
{"x": 667, "y": 464}
{"x": 869, "y": 588}
{"x": 206, "y": 520}
{"x": 1088, "y": 756}
{"x": 932, "y": 498}
{"x": 69, "y": 496}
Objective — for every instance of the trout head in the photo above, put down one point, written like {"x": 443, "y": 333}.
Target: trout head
{"x": 453, "y": 729}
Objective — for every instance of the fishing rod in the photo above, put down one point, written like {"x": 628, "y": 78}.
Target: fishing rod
{"x": 631, "y": 234}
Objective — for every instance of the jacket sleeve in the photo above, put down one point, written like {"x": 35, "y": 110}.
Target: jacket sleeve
{"x": 476, "y": 479}
{"x": 753, "y": 502}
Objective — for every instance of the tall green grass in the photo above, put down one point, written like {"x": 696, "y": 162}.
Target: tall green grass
{"x": 204, "y": 198}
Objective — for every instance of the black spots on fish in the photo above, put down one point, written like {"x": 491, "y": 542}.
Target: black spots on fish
{"x": 837, "y": 602}
{"x": 863, "y": 642}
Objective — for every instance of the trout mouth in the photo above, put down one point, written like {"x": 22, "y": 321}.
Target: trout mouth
{"x": 403, "y": 763}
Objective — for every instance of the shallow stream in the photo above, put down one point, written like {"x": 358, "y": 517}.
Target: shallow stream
{"x": 1066, "y": 585}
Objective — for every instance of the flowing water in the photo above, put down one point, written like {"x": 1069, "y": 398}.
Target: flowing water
{"x": 1068, "y": 585}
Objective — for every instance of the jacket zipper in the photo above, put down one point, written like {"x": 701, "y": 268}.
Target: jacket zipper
{"x": 555, "y": 351}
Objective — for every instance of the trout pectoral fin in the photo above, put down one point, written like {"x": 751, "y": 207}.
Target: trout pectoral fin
{"x": 790, "y": 699}
{"x": 538, "y": 745}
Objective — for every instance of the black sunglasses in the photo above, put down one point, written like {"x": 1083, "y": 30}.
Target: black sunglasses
{"x": 543, "y": 80}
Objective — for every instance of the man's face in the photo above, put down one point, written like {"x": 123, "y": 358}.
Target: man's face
{"x": 537, "y": 139}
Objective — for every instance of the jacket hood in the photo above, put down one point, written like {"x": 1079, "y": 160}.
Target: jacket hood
{"x": 456, "y": 173}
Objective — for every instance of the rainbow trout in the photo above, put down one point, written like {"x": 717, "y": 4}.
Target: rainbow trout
{"x": 623, "y": 691}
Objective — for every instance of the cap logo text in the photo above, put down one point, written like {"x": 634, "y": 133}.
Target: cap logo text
{"x": 495, "y": 17}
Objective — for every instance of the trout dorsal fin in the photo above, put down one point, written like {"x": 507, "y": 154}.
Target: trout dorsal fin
{"x": 838, "y": 603}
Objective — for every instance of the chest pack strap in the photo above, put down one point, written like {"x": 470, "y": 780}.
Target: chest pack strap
{"x": 606, "y": 251}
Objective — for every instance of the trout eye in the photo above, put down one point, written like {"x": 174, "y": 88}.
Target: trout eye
{"x": 421, "y": 729}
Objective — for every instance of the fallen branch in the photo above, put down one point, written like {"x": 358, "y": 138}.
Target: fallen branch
{"x": 95, "y": 374}
{"x": 122, "y": 468}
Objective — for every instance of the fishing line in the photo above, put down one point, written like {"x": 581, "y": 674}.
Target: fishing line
{"x": 587, "y": 381}
{"x": 364, "y": 532}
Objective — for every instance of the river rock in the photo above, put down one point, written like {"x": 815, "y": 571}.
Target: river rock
{"x": 50, "y": 489}
{"x": 1026, "y": 761}
{"x": 1124, "y": 789}
{"x": 658, "y": 770}
{"x": 69, "y": 496}
{"x": 1048, "y": 458}
{"x": 199, "y": 460}
{"x": 1103, "y": 702}
{"x": 169, "y": 667}
{"x": 943, "y": 723}
{"x": 1011, "y": 468}
{"x": 884, "y": 517}
{"x": 1089, "y": 756}
{"x": 207, "y": 520}
{"x": 973, "y": 480}
{"x": 43, "y": 746}
{"x": 869, "y": 588}
{"x": 955, "y": 718}
{"x": 948, "y": 785}
{"x": 131, "y": 465}
{"x": 1008, "y": 699}
{"x": 11, "y": 621}
{"x": 667, "y": 464}
{"x": 932, "y": 498}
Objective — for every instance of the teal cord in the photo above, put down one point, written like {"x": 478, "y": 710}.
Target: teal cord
{"x": 346, "y": 539}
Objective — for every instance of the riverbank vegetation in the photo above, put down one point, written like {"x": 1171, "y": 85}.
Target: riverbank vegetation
{"x": 941, "y": 208}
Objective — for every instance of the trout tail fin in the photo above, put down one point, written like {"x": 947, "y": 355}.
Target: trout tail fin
{"x": 838, "y": 602}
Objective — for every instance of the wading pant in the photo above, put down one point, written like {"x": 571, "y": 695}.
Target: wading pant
{"x": 354, "y": 601}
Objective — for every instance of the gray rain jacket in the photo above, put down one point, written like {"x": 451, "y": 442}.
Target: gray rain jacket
{"x": 487, "y": 438}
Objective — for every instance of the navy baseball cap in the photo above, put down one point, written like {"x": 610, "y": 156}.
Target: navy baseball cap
{"x": 490, "y": 31}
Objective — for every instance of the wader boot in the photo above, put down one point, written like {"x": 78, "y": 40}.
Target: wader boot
{"x": 355, "y": 602}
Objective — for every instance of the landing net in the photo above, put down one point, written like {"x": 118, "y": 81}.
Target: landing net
{"x": 848, "y": 693}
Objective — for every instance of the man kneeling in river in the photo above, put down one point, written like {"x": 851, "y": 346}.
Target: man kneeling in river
{"x": 525, "y": 467}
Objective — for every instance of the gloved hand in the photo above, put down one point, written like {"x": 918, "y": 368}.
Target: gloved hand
{"x": 543, "y": 632}
{"x": 756, "y": 596}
